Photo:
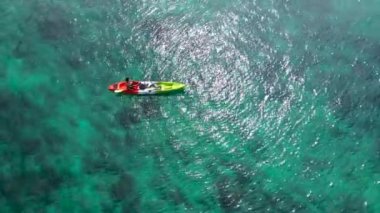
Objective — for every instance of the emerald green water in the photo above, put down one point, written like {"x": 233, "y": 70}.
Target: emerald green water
{"x": 281, "y": 112}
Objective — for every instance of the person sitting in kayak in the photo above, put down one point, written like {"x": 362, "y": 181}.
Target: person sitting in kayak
{"x": 129, "y": 83}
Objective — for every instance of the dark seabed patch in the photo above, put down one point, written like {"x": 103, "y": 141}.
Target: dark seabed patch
{"x": 53, "y": 23}
{"x": 123, "y": 191}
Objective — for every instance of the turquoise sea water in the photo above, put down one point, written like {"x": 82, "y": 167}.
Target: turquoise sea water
{"x": 281, "y": 112}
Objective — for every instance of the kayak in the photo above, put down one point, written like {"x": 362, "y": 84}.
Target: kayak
{"x": 145, "y": 87}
